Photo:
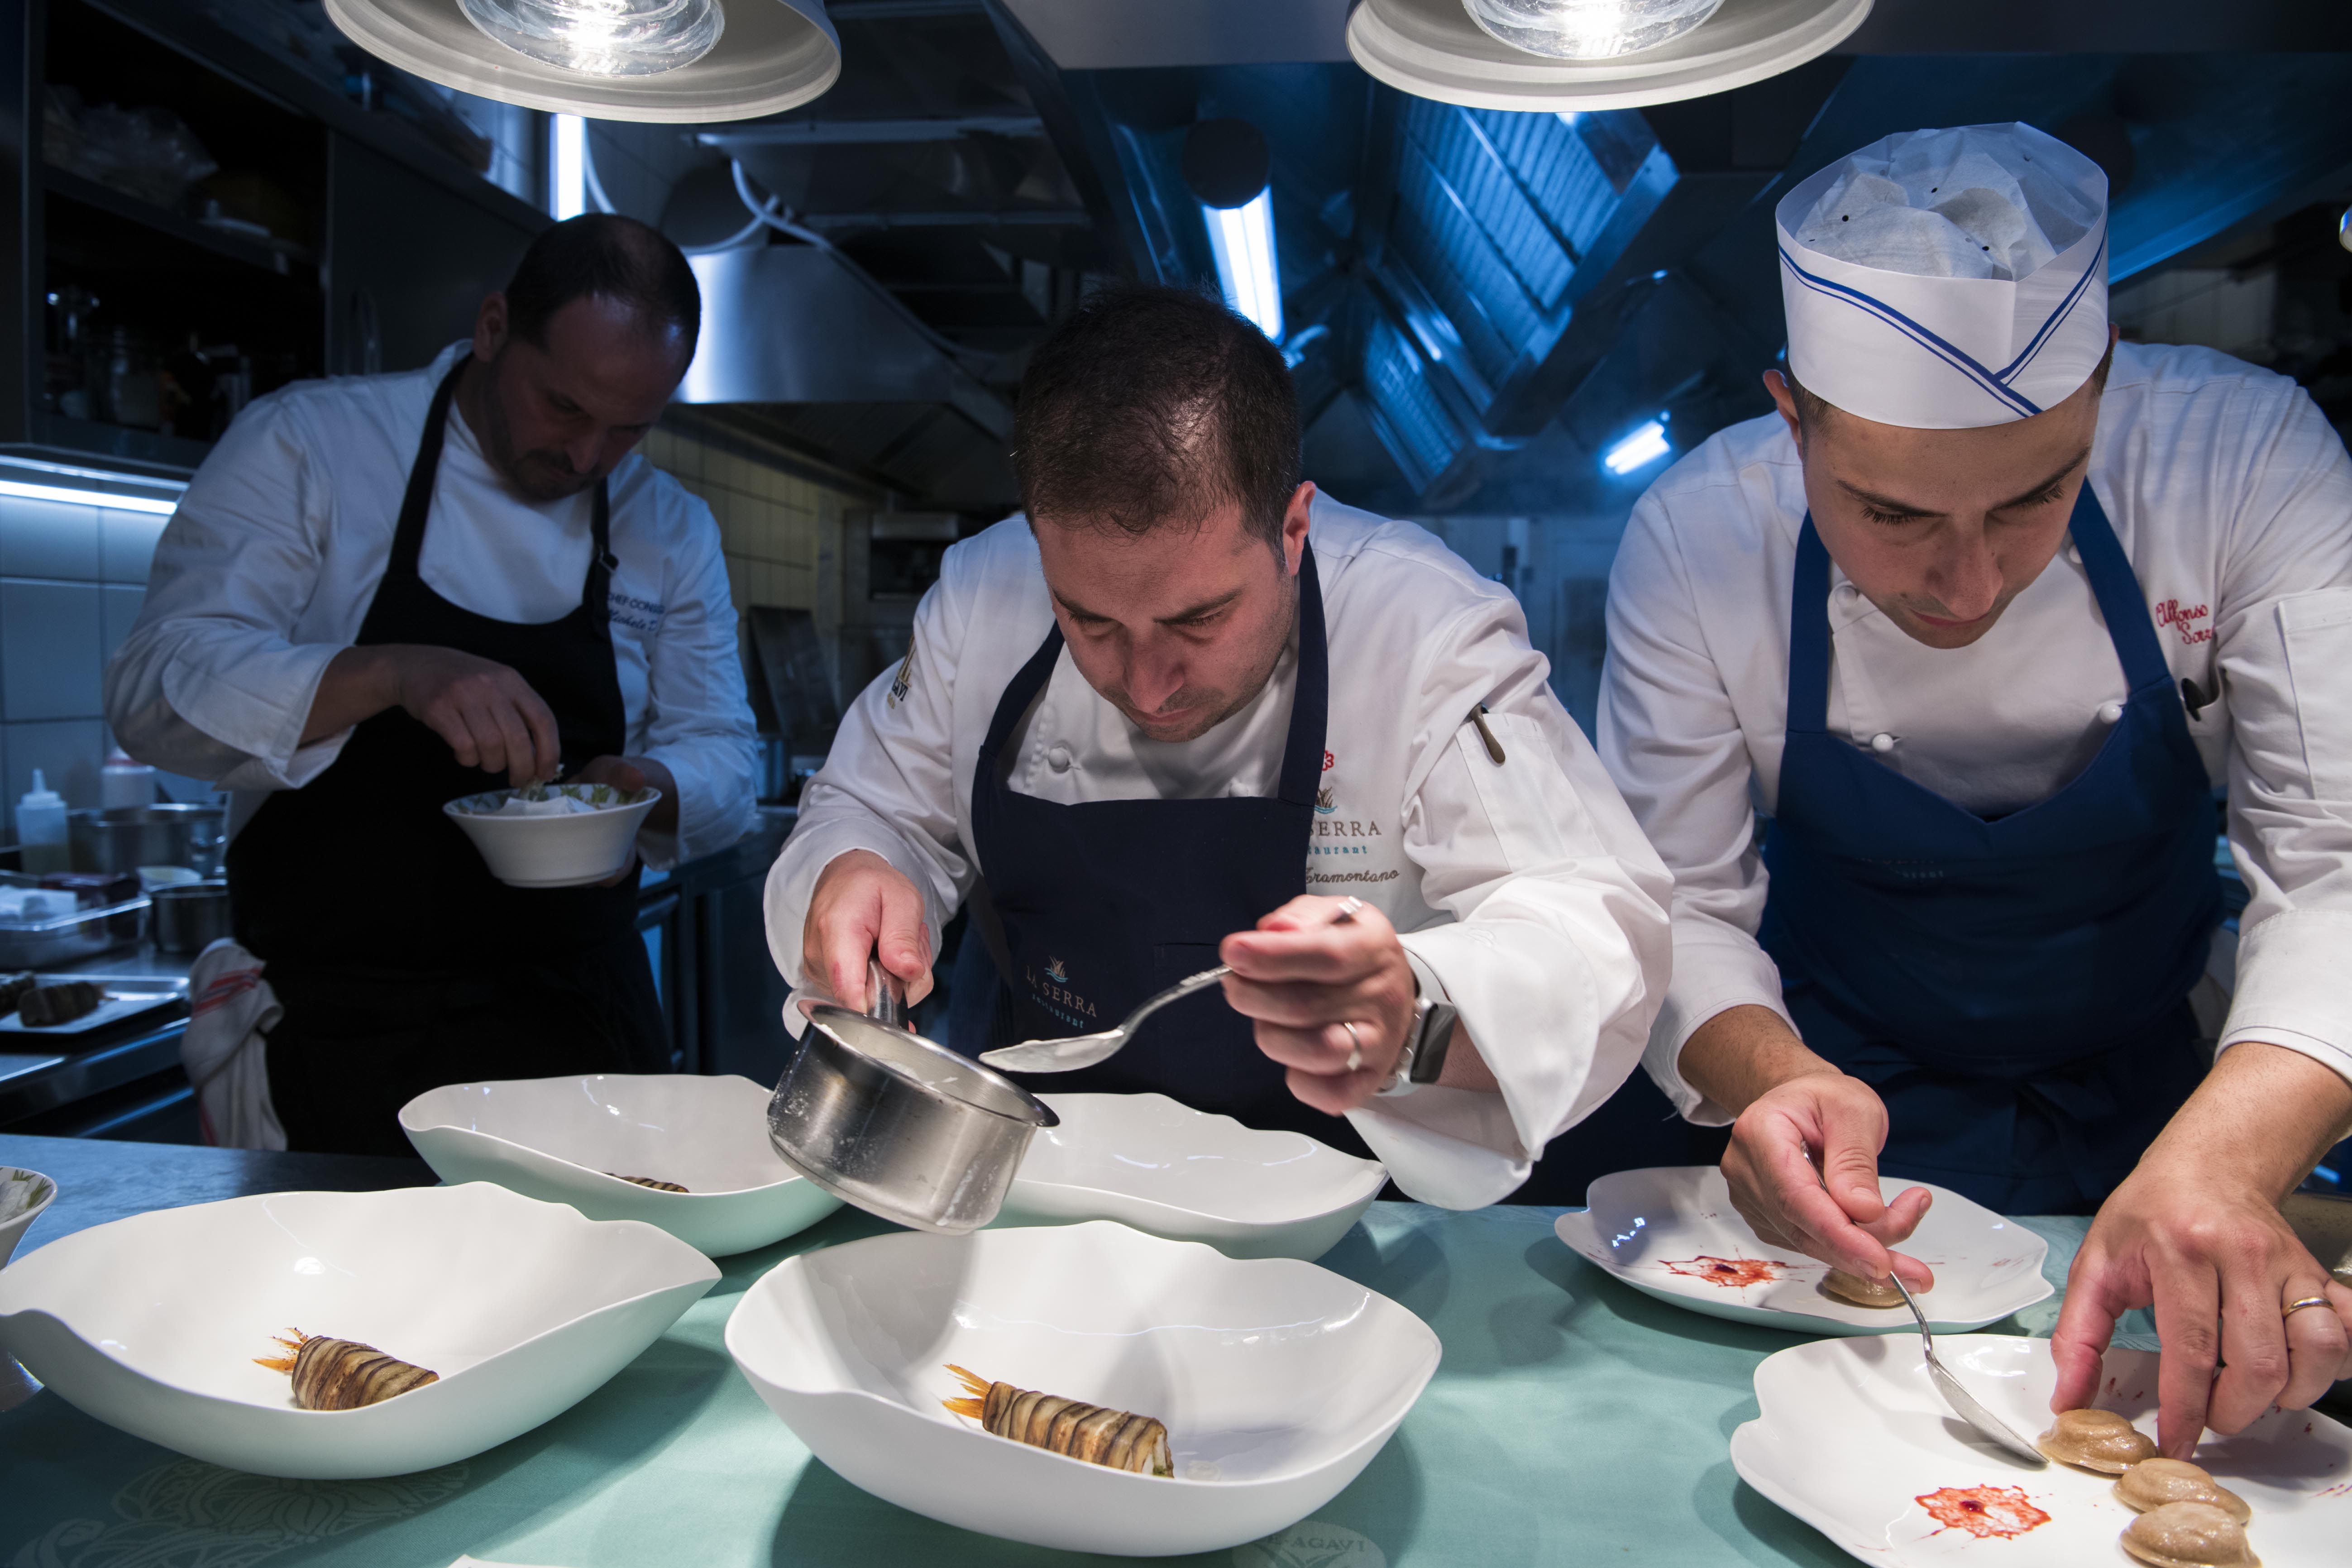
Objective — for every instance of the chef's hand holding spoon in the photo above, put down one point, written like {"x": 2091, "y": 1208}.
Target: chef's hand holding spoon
{"x": 864, "y": 908}
{"x": 1332, "y": 999}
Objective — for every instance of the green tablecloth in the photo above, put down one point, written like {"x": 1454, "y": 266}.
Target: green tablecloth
{"x": 1574, "y": 1421}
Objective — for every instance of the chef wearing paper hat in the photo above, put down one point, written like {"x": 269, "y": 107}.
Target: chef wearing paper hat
{"x": 1979, "y": 623}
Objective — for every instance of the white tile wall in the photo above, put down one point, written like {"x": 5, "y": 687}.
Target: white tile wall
{"x": 72, "y": 579}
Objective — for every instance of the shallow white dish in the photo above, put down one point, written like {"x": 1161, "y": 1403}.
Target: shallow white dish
{"x": 571, "y": 1140}
{"x": 1278, "y": 1380}
{"x": 1652, "y": 1228}
{"x": 1852, "y": 1434}
{"x": 23, "y": 1195}
{"x": 1148, "y": 1162}
{"x": 567, "y": 851}
{"x": 151, "y": 1324}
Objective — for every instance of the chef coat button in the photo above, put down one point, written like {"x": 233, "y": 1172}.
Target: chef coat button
{"x": 2110, "y": 713}
{"x": 1881, "y": 744}
{"x": 1058, "y": 759}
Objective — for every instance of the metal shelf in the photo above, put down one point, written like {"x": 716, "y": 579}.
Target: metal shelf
{"x": 269, "y": 255}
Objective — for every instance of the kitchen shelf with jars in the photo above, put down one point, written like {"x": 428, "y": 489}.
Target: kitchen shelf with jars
{"x": 220, "y": 198}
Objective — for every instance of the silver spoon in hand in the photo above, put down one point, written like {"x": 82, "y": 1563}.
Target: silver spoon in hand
{"x": 1963, "y": 1403}
{"x": 1085, "y": 1051}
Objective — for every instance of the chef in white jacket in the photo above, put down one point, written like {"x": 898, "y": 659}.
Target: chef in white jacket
{"x": 384, "y": 593}
{"x": 1978, "y": 622}
{"x": 1188, "y": 711}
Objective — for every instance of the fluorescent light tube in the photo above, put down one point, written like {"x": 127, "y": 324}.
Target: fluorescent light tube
{"x": 1242, "y": 238}
{"x": 1644, "y": 446}
{"x": 155, "y": 505}
{"x": 567, "y": 166}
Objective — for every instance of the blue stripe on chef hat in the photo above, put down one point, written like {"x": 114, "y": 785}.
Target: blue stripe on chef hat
{"x": 1947, "y": 280}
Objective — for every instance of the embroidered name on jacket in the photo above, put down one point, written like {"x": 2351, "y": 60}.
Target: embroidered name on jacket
{"x": 2183, "y": 618}
{"x": 638, "y": 615}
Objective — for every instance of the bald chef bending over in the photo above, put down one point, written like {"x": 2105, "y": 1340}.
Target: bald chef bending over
{"x": 1979, "y": 619}
{"x": 1177, "y": 714}
{"x": 381, "y": 592}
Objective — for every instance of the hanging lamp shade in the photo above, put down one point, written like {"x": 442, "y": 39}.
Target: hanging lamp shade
{"x": 609, "y": 59}
{"x": 1432, "y": 48}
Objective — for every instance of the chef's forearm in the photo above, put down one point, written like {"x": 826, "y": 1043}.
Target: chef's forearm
{"x": 2263, "y": 1117}
{"x": 359, "y": 684}
{"x": 1742, "y": 1053}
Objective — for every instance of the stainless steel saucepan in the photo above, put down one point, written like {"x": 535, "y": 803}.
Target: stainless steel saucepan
{"x": 899, "y": 1125}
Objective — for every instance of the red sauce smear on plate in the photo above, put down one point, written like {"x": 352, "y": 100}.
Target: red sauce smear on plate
{"x": 1728, "y": 1272}
{"x": 1989, "y": 1513}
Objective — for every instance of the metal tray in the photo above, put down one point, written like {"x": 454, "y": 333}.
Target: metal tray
{"x": 50, "y": 944}
{"x": 126, "y": 1001}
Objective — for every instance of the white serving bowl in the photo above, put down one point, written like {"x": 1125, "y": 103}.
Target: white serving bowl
{"x": 1651, "y": 1227}
{"x": 23, "y": 1195}
{"x": 1278, "y": 1380}
{"x": 1852, "y": 1438}
{"x": 151, "y": 1324}
{"x": 1148, "y": 1162}
{"x": 571, "y": 1140}
{"x": 567, "y": 851}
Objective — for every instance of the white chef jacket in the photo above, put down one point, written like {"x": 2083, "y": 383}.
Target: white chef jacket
{"x": 268, "y": 568}
{"x": 1527, "y": 896}
{"x": 2232, "y": 496}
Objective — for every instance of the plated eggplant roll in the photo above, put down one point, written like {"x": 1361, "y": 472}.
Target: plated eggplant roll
{"x": 343, "y": 1375}
{"x": 1116, "y": 1439}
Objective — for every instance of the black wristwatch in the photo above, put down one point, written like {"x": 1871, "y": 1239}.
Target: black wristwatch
{"x": 1425, "y": 1043}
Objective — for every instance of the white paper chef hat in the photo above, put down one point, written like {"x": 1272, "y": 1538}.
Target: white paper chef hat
{"x": 1947, "y": 279}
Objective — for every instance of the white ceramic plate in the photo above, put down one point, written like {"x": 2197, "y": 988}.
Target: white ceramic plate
{"x": 571, "y": 1140}
{"x": 1666, "y": 1232}
{"x": 1148, "y": 1162}
{"x": 23, "y": 1195}
{"x": 151, "y": 1324}
{"x": 1278, "y": 1380}
{"x": 1852, "y": 1437}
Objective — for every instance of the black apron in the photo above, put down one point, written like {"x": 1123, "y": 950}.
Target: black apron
{"x": 401, "y": 963}
{"x": 1102, "y": 903}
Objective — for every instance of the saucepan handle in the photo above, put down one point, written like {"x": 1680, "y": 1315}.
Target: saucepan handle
{"x": 887, "y": 997}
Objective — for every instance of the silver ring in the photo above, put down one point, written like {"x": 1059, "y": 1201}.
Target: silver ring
{"x": 1356, "y": 1056}
{"x": 2294, "y": 1306}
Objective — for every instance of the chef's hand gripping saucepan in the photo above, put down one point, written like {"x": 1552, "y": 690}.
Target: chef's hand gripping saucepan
{"x": 899, "y": 1125}
{"x": 1085, "y": 1051}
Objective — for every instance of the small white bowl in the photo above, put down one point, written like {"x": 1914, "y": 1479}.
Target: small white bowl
{"x": 151, "y": 1324}
{"x": 572, "y": 1141}
{"x": 1665, "y": 1230}
{"x": 1278, "y": 1380}
{"x": 567, "y": 851}
{"x": 23, "y": 1195}
{"x": 1148, "y": 1161}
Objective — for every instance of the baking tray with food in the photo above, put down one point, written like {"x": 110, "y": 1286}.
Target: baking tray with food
{"x": 53, "y": 1006}
{"x": 52, "y": 921}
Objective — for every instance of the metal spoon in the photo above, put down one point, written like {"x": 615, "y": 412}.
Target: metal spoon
{"x": 1963, "y": 1403}
{"x": 1085, "y": 1051}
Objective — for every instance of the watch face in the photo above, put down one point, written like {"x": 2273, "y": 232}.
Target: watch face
{"x": 1431, "y": 1040}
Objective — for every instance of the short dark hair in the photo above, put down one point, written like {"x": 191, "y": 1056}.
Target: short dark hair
{"x": 610, "y": 256}
{"x": 1154, "y": 406}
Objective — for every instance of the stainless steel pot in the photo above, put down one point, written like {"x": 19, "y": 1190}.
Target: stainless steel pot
{"x": 900, "y": 1126}
{"x": 124, "y": 838}
{"x": 190, "y": 916}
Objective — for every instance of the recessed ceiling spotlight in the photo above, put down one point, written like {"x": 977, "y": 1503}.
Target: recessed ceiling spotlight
{"x": 1639, "y": 51}
{"x": 676, "y": 61}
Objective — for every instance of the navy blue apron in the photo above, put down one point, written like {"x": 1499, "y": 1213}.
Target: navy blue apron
{"x": 1102, "y": 903}
{"x": 2013, "y": 985}
{"x": 401, "y": 963}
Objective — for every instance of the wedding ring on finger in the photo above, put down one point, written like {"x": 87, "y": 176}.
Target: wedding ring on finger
{"x": 1356, "y": 1054}
{"x": 2293, "y": 1307}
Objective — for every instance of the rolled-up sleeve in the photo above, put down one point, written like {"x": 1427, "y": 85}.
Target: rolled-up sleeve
{"x": 1558, "y": 947}
{"x": 697, "y": 717}
{"x": 2284, "y": 629}
{"x": 1670, "y": 738}
{"x": 210, "y": 682}
{"x": 887, "y": 786}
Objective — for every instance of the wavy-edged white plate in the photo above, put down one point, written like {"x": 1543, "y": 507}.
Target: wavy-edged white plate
{"x": 1671, "y": 1232}
{"x": 1278, "y": 1380}
{"x": 151, "y": 1324}
{"x": 23, "y": 1195}
{"x": 1152, "y": 1162}
{"x": 572, "y": 1139}
{"x": 1853, "y": 1439}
